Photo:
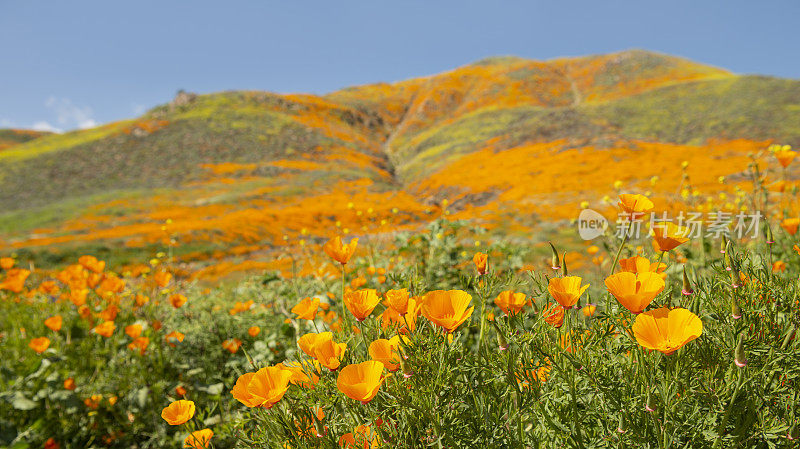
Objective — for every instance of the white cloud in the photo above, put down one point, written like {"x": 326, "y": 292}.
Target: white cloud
{"x": 44, "y": 126}
{"x": 68, "y": 115}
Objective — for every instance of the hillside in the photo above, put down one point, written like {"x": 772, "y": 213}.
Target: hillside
{"x": 507, "y": 141}
{"x": 11, "y": 137}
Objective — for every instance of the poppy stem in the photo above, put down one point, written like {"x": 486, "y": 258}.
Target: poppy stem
{"x": 726, "y": 417}
{"x": 619, "y": 251}
{"x": 483, "y": 319}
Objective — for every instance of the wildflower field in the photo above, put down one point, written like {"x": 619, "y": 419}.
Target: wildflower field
{"x": 443, "y": 337}
{"x": 416, "y": 277}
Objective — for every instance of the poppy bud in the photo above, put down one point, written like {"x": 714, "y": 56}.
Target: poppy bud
{"x": 687, "y": 286}
{"x": 788, "y": 339}
{"x": 501, "y": 339}
{"x": 793, "y": 433}
{"x": 650, "y": 405}
{"x": 564, "y": 264}
{"x": 554, "y": 262}
{"x": 736, "y": 312}
{"x": 735, "y": 278}
{"x": 622, "y": 427}
{"x": 770, "y": 238}
{"x": 738, "y": 355}
{"x": 404, "y": 366}
{"x": 723, "y": 246}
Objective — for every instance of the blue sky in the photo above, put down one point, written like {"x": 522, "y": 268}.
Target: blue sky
{"x": 74, "y": 64}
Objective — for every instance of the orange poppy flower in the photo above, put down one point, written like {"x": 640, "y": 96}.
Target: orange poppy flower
{"x": 178, "y": 412}
{"x": 639, "y": 264}
{"x": 397, "y": 300}
{"x": 668, "y": 236}
{"x": 49, "y": 288}
{"x": 785, "y": 157}
{"x": 447, "y": 309}
{"x": 109, "y": 313}
{"x": 180, "y": 390}
{"x": 635, "y": 291}
{"x": 39, "y": 344}
{"x": 566, "y": 290}
{"x": 162, "y": 278}
{"x": 305, "y": 374}
{"x": 69, "y": 384}
{"x": 386, "y": 352}
{"x": 553, "y": 315}
{"x": 309, "y": 340}
{"x": 105, "y": 329}
{"x": 338, "y": 251}
{"x": 177, "y": 300}
{"x": 141, "y": 299}
{"x": 51, "y": 443}
{"x": 240, "y": 393}
{"x": 92, "y": 264}
{"x": 363, "y": 437}
{"x": 634, "y": 205}
{"x": 481, "y": 262}
{"x": 198, "y": 439}
{"x": 253, "y": 331}
{"x": 174, "y": 337}
{"x": 361, "y": 381}
{"x": 232, "y": 345}
{"x": 588, "y": 310}
{"x": 78, "y": 297}
{"x": 779, "y": 265}
{"x": 790, "y": 225}
{"x": 133, "y": 330}
{"x": 15, "y": 280}
{"x": 306, "y": 309}
{"x": 140, "y": 344}
{"x": 93, "y": 401}
{"x": 511, "y": 303}
{"x": 361, "y": 302}
{"x": 268, "y": 385}
{"x": 666, "y": 330}
{"x": 54, "y": 323}
{"x": 6, "y": 263}
{"x": 329, "y": 354}
{"x": 526, "y": 378}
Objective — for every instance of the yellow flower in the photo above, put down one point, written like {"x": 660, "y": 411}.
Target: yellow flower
{"x": 361, "y": 381}
{"x": 667, "y": 236}
{"x": 338, "y": 251}
{"x": 386, "y": 352}
{"x": 510, "y": 302}
{"x": 178, "y": 412}
{"x": 198, "y": 439}
{"x": 306, "y": 309}
{"x": 268, "y": 385}
{"x": 481, "y": 262}
{"x": 635, "y": 291}
{"x": 447, "y": 309}
{"x": 361, "y": 302}
{"x": 566, "y": 290}
{"x": 666, "y": 330}
{"x": 634, "y": 205}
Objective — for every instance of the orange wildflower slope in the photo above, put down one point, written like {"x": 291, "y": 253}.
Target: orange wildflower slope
{"x": 226, "y": 180}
